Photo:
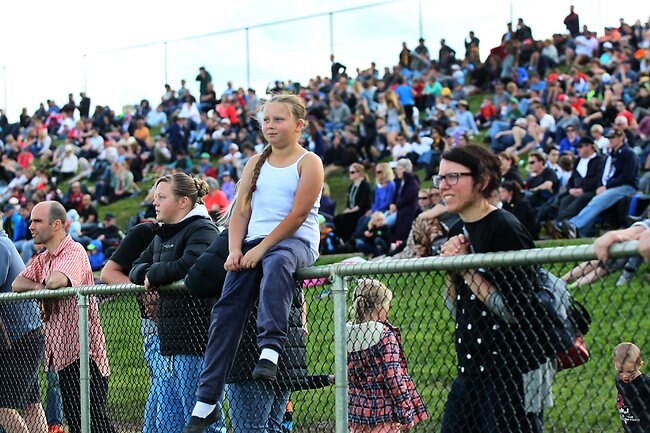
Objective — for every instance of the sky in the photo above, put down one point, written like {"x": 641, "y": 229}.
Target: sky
{"x": 49, "y": 50}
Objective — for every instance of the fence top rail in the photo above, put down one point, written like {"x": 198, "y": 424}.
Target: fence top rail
{"x": 537, "y": 256}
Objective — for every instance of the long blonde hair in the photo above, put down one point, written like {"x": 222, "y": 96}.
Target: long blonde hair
{"x": 369, "y": 296}
{"x": 298, "y": 111}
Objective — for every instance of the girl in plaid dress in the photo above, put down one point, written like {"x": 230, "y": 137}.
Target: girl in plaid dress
{"x": 382, "y": 395}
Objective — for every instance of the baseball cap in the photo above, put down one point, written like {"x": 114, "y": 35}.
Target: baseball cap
{"x": 91, "y": 247}
{"x": 608, "y": 45}
{"x": 205, "y": 155}
{"x": 225, "y": 173}
{"x": 614, "y": 133}
{"x": 8, "y": 207}
{"x": 584, "y": 141}
{"x": 109, "y": 216}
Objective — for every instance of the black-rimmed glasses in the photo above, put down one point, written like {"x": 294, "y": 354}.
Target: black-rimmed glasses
{"x": 450, "y": 178}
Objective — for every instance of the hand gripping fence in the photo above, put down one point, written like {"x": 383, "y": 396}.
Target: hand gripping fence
{"x": 419, "y": 347}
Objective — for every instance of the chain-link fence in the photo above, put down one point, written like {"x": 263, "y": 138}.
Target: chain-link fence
{"x": 151, "y": 382}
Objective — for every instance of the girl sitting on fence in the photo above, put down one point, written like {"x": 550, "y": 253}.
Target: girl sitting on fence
{"x": 377, "y": 372}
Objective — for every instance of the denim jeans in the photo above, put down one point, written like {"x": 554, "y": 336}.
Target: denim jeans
{"x": 153, "y": 417}
{"x": 256, "y": 407}
{"x": 587, "y": 217}
{"x": 179, "y": 379}
{"x": 53, "y": 405}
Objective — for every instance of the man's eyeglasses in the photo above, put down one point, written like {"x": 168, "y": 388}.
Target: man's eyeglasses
{"x": 450, "y": 178}
{"x": 532, "y": 161}
{"x": 426, "y": 197}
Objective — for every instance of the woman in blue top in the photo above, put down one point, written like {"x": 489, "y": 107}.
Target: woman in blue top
{"x": 276, "y": 226}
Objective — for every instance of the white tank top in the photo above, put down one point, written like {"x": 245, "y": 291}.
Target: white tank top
{"x": 273, "y": 200}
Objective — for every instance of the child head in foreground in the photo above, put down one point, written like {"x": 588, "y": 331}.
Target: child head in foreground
{"x": 627, "y": 361}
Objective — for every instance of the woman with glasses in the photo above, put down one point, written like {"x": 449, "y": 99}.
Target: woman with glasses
{"x": 358, "y": 202}
{"x": 496, "y": 344}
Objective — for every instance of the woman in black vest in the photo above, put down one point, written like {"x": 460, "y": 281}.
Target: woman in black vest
{"x": 186, "y": 231}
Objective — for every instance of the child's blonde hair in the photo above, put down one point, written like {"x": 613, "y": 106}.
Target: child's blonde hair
{"x": 298, "y": 112}
{"x": 368, "y": 297}
{"x": 624, "y": 352}
{"x": 374, "y": 219}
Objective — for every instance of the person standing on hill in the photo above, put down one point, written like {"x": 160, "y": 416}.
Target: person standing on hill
{"x": 64, "y": 264}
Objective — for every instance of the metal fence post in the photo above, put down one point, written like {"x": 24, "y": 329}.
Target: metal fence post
{"x": 339, "y": 293}
{"x": 84, "y": 366}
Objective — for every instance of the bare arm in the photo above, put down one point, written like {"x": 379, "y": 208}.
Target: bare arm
{"x": 22, "y": 284}
{"x": 57, "y": 280}
{"x": 309, "y": 186}
{"x": 113, "y": 273}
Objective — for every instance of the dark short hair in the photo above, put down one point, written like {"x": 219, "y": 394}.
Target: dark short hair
{"x": 56, "y": 212}
{"x": 482, "y": 163}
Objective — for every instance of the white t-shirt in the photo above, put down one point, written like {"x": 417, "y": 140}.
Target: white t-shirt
{"x": 547, "y": 122}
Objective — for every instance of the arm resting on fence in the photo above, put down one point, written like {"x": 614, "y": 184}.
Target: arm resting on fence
{"x": 22, "y": 284}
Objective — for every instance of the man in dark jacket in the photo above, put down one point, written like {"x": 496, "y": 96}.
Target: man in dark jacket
{"x": 585, "y": 179}
{"x": 620, "y": 179}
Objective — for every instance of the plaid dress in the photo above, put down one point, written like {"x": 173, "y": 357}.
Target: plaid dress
{"x": 380, "y": 388}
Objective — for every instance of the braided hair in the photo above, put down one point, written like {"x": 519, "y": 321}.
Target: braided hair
{"x": 298, "y": 112}
{"x": 369, "y": 295}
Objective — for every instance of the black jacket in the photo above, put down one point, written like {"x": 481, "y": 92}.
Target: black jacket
{"x": 183, "y": 320}
{"x": 592, "y": 180}
{"x": 206, "y": 278}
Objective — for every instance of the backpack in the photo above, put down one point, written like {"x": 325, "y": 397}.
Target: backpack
{"x": 571, "y": 320}
{"x": 567, "y": 321}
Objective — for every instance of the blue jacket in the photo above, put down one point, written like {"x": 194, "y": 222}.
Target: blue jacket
{"x": 624, "y": 168}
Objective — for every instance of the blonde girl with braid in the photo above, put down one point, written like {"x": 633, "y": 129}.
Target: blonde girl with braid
{"x": 378, "y": 376}
{"x": 273, "y": 231}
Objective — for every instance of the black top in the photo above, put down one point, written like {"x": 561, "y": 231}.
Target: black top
{"x": 485, "y": 344}
{"x": 547, "y": 174}
{"x": 592, "y": 179}
{"x": 514, "y": 175}
{"x": 633, "y": 403}
{"x": 183, "y": 319}
{"x": 360, "y": 195}
{"x": 521, "y": 208}
{"x": 86, "y": 212}
{"x": 135, "y": 242}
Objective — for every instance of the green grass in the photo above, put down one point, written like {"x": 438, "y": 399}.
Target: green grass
{"x": 584, "y": 397}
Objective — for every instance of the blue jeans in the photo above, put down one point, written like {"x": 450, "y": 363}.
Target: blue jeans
{"x": 153, "y": 417}
{"x": 53, "y": 404}
{"x": 179, "y": 379}
{"x": 587, "y": 217}
{"x": 256, "y": 407}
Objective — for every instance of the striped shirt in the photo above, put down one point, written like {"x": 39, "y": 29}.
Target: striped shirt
{"x": 62, "y": 327}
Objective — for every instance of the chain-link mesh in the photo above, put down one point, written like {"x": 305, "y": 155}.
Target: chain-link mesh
{"x": 468, "y": 385}
{"x": 146, "y": 387}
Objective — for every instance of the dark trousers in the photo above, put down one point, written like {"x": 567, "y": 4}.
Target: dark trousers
{"x": 230, "y": 314}
{"x": 69, "y": 382}
{"x": 570, "y": 206}
{"x": 490, "y": 404}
